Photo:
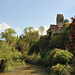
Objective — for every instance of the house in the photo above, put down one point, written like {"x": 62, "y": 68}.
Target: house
{"x": 58, "y": 28}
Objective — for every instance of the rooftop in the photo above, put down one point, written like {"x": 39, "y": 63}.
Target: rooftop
{"x": 55, "y": 27}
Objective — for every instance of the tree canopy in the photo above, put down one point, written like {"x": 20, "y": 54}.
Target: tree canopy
{"x": 9, "y": 35}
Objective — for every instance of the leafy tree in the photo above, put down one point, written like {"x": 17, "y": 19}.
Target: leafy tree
{"x": 27, "y": 39}
{"x": 66, "y": 20}
{"x": 41, "y": 30}
{"x": 62, "y": 57}
{"x": 66, "y": 33}
{"x": 13, "y": 44}
{"x": 9, "y": 35}
{"x": 23, "y": 46}
{"x": 31, "y": 36}
{"x": 41, "y": 46}
{"x": 51, "y": 55}
{"x": 67, "y": 24}
{"x": 8, "y": 56}
{"x": 57, "y": 41}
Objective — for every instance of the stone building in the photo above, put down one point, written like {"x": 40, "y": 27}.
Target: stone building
{"x": 58, "y": 28}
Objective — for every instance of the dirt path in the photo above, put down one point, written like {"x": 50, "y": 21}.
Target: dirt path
{"x": 26, "y": 70}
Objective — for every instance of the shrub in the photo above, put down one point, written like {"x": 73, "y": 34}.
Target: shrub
{"x": 61, "y": 69}
{"x": 8, "y": 56}
{"x": 63, "y": 57}
{"x": 57, "y": 41}
{"x": 57, "y": 69}
{"x": 34, "y": 58}
{"x": 31, "y": 58}
{"x": 37, "y": 59}
{"x": 52, "y": 53}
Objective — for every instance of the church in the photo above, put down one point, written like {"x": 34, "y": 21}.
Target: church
{"x": 58, "y": 28}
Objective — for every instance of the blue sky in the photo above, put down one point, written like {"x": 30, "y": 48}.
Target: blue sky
{"x": 19, "y": 14}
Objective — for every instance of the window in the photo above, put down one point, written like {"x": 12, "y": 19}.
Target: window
{"x": 60, "y": 19}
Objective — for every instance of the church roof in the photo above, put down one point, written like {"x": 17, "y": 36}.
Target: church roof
{"x": 54, "y": 27}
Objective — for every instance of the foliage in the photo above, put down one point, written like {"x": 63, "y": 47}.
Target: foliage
{"x": 61, "y": 69}
{"x": 67, "y": 30}
{"x": 51, "y": 55}
{"x": 40, "y": 45}
{"x": 8, "y": 35}
{"x": 26, "y": 40}
{"x": 61, "y": 39}
{"x": 13, "y": 44}
{"x": 66, "y": 21}
{"x": 23, "y": 46}
{"x": 57, "y": 69}
{"x": 63, "y": 57}
{"x": 50, "y": 33}
{"x": 34, "y": 48}
{"x": 57, "y": 41}
{"x": 67, "y": 24}
{"x": 37, "y": 59}
{"x": 41, "y": 51}
{"x": 31, "y": 36}
{"x": 34, "y": 58}
{"x": 8, "y": 56}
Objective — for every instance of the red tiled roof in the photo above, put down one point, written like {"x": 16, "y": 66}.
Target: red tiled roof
{"x": 54, "y": 27}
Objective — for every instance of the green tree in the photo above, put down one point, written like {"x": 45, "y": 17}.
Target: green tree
{"x": 66, "y": 23}
{"x": 66, "y": 20}
{"x": 9, "y": 35}
{"x": 27, "y": 39}
{"x": 8, "y": 56}
{"x": 23, "y": 46}
{"x": 41, "y": 30}
{"x": 62, "y": 57}
{"x": 66, "y": 33}
{"x": 57, "y": 41}
{"x": 31, "y": 36}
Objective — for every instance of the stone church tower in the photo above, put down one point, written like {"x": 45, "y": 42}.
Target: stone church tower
{"x": 58, "y": 28}
{"x": 60, "y": 20}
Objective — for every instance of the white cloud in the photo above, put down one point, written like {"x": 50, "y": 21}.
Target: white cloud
{"x": 4, "y": 26}
{"x": 45, "y": 31}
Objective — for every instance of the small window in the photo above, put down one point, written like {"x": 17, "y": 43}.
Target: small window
{"x": 60, "y": 20}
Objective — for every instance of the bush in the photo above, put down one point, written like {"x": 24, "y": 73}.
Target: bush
{"x": 61, "y": 69}
{"x": 57, "y": 69}
{"x": 63, "y": 57}
{"x": 34, "y": 58}
{"x": 37, "y": 59}
{"x": 52, "y": 53}
{"x": 40, "y": 45}
{"x": 8, "y": 56}
{"x": 57, "y": 41}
